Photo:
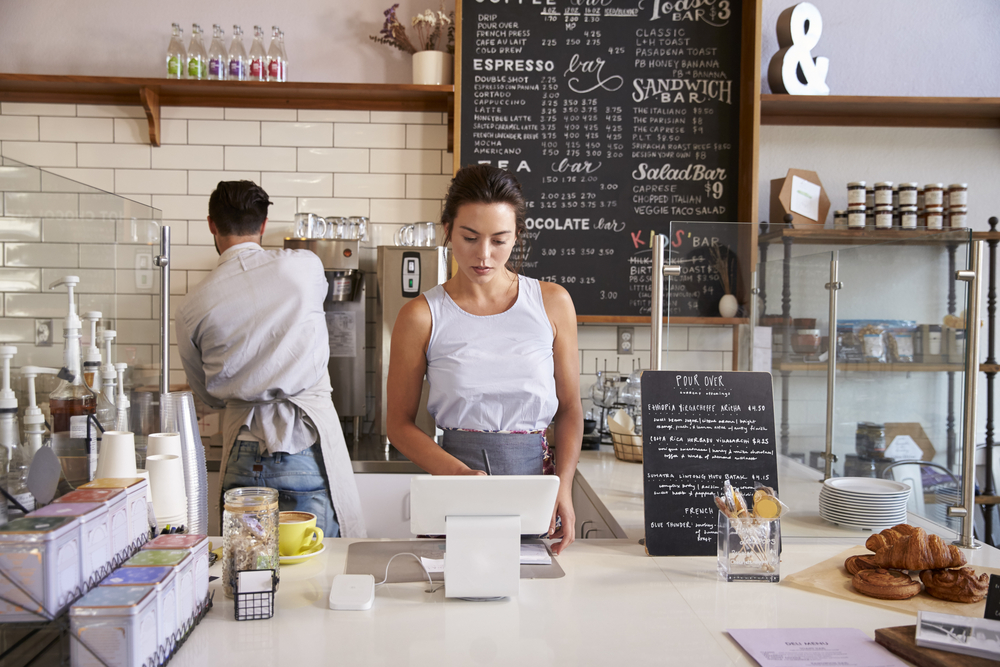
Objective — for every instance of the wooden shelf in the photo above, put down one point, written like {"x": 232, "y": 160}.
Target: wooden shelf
{"x": 612, "y": 319}
{"x": 842, "y": 110}
{"x": 867, "y": 236}
{"x": 153, "y": 94}
{"x": 875, "y": 367}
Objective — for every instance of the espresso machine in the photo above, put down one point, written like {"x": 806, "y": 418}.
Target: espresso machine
{"x": 345, "y": 320}
{"x": 404, "y": 273}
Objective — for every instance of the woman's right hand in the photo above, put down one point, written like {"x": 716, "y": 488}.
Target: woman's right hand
{"x": 470, "y": 471}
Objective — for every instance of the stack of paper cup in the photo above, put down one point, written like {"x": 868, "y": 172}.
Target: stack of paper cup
{"x": 166, "y": 481}
{"x": 163, "y": 443}
{"x": 117, "y": 455}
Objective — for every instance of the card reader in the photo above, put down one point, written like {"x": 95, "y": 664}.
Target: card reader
{"x": 411, "y": 274}
{"x": 352, "y": 592}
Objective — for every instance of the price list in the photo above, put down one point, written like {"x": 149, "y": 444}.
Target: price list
{"x": 619, "y": 117}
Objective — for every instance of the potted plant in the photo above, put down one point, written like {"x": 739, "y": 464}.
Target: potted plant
{"x": 430, "y": 66}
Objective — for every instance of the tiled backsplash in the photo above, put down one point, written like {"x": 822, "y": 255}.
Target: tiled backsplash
{"x": 393, "y": 167}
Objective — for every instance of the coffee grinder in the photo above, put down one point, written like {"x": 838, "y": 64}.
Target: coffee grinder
{"x": 345, "y": 320}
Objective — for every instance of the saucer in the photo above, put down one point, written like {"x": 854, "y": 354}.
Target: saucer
{"x": 301, "y": 558}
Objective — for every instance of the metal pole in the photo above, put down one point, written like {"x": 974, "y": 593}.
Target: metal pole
{"x": 656, "y": 310}
{"x": 754, "y": 291}
{"x": 831, "y": 364}
{"x": 163, "y": 261}
{"x": 966, "y": 510}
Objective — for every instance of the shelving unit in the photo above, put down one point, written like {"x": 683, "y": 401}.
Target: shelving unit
{"x": 844, "y": 110}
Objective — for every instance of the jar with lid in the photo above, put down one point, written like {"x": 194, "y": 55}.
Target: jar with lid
{"x": 908, "y": 217}
{"x": 856, "y": 216}
{"x": 958, "y": 194}
{"x": 907, "y": 194}
{"x": 883, "y": 193}
{"x": 895, "y": 196}
{"x": 935, "y": 217}
{"x": 855, "y": 192}
{"x": 806, "y": 341}
{"x": 870, "y": 197}
{"x": 249, "y": 533}
{"x": 934, "y": 194}
{"x": 958, "y": 216}
{"x": 840, "y": 219}
{"x": 883, "y": 217}
{"x": 869, "y": 440}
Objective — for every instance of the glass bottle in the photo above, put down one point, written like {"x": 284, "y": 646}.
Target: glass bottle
{"x": 197, "y": 57}
{"x": 284, "y": 56}
{"x": 237, "y": 56}
{"x": 218, "y": 59}
{"x": 274, "y": 58}
{"x": 258, "y": 56}
{"x": 3, "y": 504}
{"x": 249, "y": 533}
{"x": 17, "y": 485}
{"x": 176, "y": 54}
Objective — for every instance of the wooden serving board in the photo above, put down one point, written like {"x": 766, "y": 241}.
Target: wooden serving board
{"x": 830, "y": 578}
{"x": 901, "y": 640}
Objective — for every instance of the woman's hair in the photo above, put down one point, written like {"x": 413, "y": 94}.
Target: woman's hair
{"x": 485, "y": 184}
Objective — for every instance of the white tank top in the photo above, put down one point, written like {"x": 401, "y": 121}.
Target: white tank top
{"x": 492, "y": 372}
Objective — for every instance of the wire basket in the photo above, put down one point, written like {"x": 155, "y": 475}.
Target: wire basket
{"x": 627, "y": 447}
{"x": 254, "y": 605}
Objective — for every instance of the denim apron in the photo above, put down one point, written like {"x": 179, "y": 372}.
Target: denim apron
{"x": 509, "y": 453}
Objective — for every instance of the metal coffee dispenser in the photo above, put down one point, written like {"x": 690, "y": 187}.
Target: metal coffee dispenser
{"x": 345, "y": 321}
{"x": 404, "y": 273}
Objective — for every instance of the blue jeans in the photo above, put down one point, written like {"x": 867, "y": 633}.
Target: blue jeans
{"x": 299, "y": 479}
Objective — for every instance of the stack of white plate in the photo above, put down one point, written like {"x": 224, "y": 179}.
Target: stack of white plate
{"x": 863, "y": 502}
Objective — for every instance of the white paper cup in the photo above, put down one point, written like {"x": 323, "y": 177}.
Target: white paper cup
{"x": 166, "y": 479}
{"x": 149, "y": 489}
{"x": 117, "y": 455}
{"x": 163, "y": 443}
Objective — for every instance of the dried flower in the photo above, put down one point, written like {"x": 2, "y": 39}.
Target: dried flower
{"x": 429, "y": 26}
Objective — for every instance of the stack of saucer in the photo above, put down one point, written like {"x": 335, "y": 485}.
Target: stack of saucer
{"x": 863, "y": 502}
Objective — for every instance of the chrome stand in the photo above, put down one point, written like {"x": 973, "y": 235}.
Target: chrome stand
{"x": 656, "y": 316}
{"x": 831, "y": 364}
{"x": 163, "y": 261}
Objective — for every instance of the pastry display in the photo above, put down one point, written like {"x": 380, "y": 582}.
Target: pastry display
{"x": 885, "y": 584}
{"x": 956, "y": 585}
{"x": 920, "y": 551}
{"x": 855, "y": 564}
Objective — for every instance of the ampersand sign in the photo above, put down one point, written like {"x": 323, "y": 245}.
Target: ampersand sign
{"x": 793, "y": 70}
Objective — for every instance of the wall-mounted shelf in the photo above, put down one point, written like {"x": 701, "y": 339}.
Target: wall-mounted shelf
{"x": 843, "y": 110}
{"x": 873, "y": 366}
{"x": 155, "y": 93}
{"x": 821, "y": 235}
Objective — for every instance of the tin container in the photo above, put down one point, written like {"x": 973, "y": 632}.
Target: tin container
{"x": 198, "y": 546}
{"x": 95, "y": 537}
{"x": 117, "y": 504}
{"x": 182, "y": 561}
{"x": 164, "y": 580}
{"x": 42, "y": 555}
{"x": 118, "y": 623}
{"x": 137, "y": 493}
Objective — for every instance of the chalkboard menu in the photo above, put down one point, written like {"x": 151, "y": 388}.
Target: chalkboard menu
{"x": 700, "y": 429}
{"x": 618, "y": 117}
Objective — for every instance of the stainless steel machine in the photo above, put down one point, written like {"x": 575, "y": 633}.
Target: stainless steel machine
{"x": 345, "y": 321}
{"x": 404, "y": 272}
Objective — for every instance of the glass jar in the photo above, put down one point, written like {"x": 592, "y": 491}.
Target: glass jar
{"x": 935, "y": 217}
{"x": 934, "y": 194}
{"x": 869, "y": 440}
{"x": 958, "y": 216}
{"x": 870, "y": 198}
{"x": 249, "y": 533}
{"x": 856, "y": 216}
{"x": 883, "y": 217}
{"x": 840, "y": 219}
{"x": 908, "y": 217}
{"x": 856, "y": 192}
{"x": 958, "y": 194}
{"x": 883, "y": 193}
{"x": 907, "y": 194}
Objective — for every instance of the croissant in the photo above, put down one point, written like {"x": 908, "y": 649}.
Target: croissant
{"x": 890, "y": 536}
{"x": 920, "y": 551}
{"x": 855, "y": 564}
{"x": 885, "y": 584}
{"x": 956, "y": 585}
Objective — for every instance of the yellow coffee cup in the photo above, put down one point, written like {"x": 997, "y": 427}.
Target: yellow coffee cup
{"x": 297, "y": 533}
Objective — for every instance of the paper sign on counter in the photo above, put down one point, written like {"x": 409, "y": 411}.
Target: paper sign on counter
{"x": 813, "y": 647}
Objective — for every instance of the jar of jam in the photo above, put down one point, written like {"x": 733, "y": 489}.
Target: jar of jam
{"x": 908, "y": 217}
{"x": 958, "y": 216}
{"x": 856, "y": 193}
{"x": 840, "y": 219}
{"x": 883, "y": 217}
{"x": 935, "y": 217}
{"x": 907, "y": 194}
{"x": 883, "y": 193}
{"x": 958, "y": 194}
{"x": 856, "y": 216}
{"x": 933, "y": 194}
{"x": 870, "y": 198}
{"x": 805, "y": 341}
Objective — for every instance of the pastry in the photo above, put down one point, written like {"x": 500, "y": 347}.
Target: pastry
{"x": 920, "y": 551}
{"x": 885, "y": 584}
{"x": 956, "y": 585}
{"x": 890, "y": 536}
{"x": 855, "y": 564}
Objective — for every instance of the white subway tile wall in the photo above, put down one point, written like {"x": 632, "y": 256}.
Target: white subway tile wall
{"x": 393, "y": 167}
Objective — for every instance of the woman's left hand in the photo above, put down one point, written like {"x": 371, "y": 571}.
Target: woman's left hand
{"x": 566, "y": 532}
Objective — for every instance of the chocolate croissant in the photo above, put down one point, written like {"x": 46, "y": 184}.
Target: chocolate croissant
{"x": 885, "y": 584}
{"x": 920, "y": 551}
{"x": 890, "y": 536}
{"x": 956, "y": 585}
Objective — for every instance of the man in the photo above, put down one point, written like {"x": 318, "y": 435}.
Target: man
{"x": 253, "y": 339}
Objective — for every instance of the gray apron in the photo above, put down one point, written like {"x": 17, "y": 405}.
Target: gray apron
{"x": 509, "y": 453}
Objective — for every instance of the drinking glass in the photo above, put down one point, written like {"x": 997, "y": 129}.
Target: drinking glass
{"x": 309, "y": 226}
{"x": 358, "y": 225}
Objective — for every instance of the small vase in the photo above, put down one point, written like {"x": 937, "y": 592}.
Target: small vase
{"x": 432, "y": 68}
{"x": 728, "y": 306}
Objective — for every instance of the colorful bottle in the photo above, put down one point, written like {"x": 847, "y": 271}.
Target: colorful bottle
{"x": 258, "y": 56}
{"x": 218, "y": 59}
{"x": 176, "y": 55}
{"x": 275, "y": 61}
{"x": 237, "y": 56}
{"x": 284, "y": 56}
{"x": 197, "y": 56}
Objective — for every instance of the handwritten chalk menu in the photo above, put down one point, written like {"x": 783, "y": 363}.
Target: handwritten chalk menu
{"x": 699, "y": 429}
{"x": 618, "y": 117}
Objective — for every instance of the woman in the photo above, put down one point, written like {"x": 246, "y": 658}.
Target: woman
{"x": 499, "y": 351}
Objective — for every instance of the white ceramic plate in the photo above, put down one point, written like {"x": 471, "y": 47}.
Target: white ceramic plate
{"x": 873, "y": 526}
{"x": 867, "y": 486}
{"x": 867, "y": 507}
{"x": 301, "y": 558}
{"x": 855, "y": 502}
{"x": 863, "y": 518}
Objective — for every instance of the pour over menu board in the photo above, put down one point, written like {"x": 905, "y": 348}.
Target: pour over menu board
{"x": 700, "y": 429}
{"x": 618, "y": 117}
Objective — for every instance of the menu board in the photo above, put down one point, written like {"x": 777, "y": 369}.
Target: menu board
{"x": 618, "y": 117}
{"x": 700, "y": 429}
